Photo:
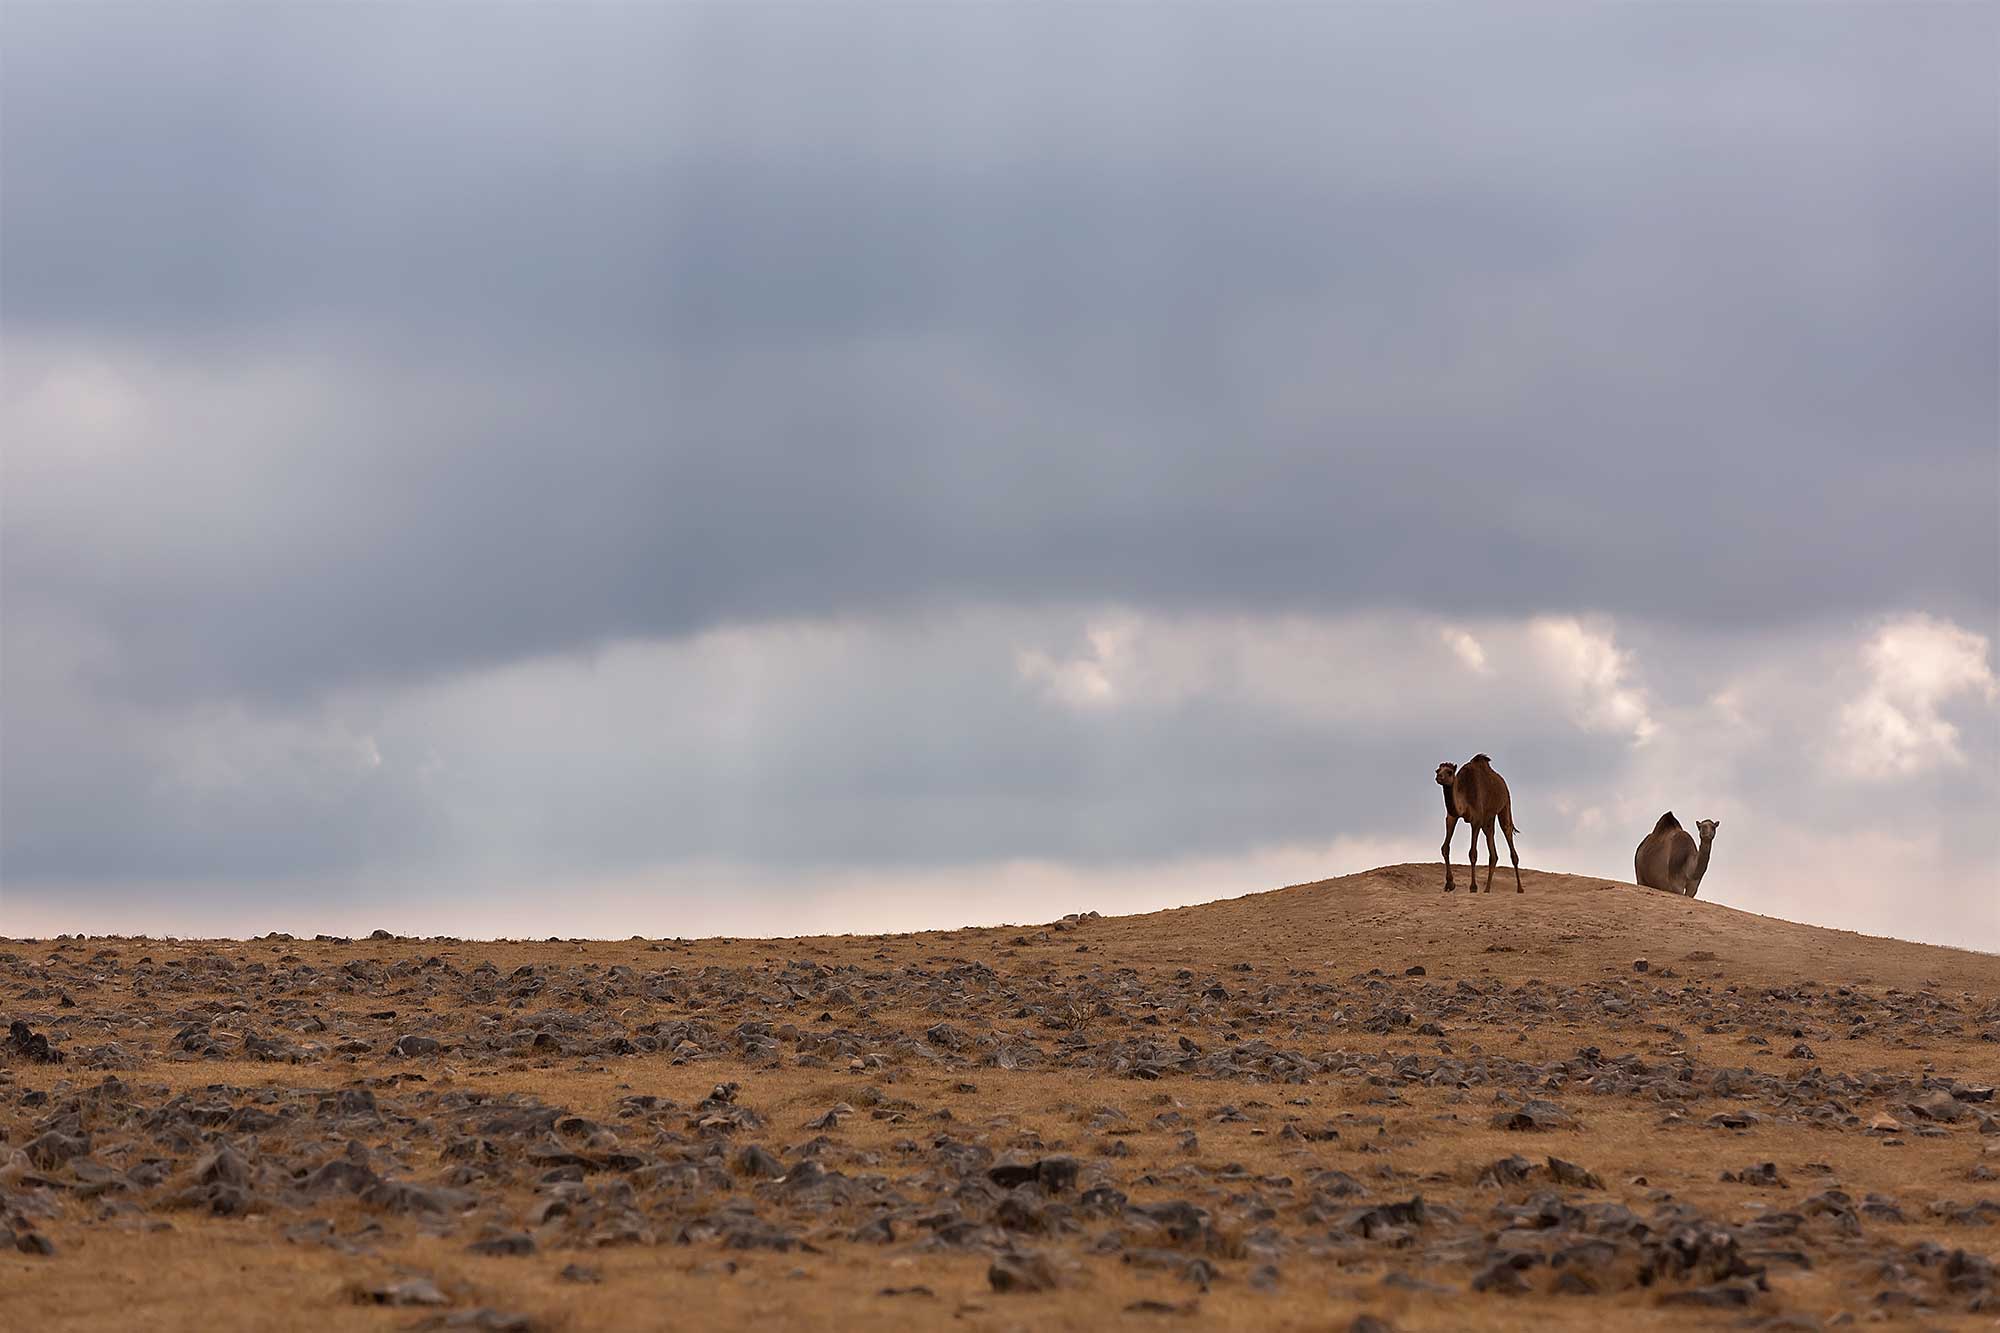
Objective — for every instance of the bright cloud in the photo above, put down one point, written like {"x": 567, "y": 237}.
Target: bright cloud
{"x": 1916, "y": 665}
{"x": 1085, "y": 680}
{"x": 1466, "y": 648}
{"x": 1597, "y": 675}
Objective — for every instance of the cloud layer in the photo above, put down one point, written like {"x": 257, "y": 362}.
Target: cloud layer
{"x": 1012, "y": 756}
{"x": 564, "y": 447}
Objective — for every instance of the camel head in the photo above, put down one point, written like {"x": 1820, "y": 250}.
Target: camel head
{"x": 1446, "y": 773}
{"x": 1707, "y": 827}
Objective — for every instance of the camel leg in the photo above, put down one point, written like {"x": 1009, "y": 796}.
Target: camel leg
{"x": 1492, "y": 858}
{"x": 1450, "y": 825}
{"x": 1472, "y": 856}
{"x": 1514, "y": 856}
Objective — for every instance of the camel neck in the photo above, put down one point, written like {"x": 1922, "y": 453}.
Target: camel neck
{"x": 1701, "y": 862}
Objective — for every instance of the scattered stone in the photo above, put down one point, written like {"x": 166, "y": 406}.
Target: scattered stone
{"x": 485, "y": 1319}
{"x": 1719, "y": 1295}
{"x": 404, "y": 1291}
{"x": 1054, "y": 1174}
{"x": 1021, "y": 1270}
{"x": 755, "y": 1161}
{"x": 1502, "y": 1275}
{"x": 51, "y": 1150}
{"x": 1506, "y": 1171}
{"x": 1150, "y": 1306}
{"x": 27, "y": 1044}
{"x": 1405, "y": 1282}
{"x": 1534, "y": 1115}
{"x": 1764, "y": 1174}
{"x": 1939, "y": 1105}
{"x": 1576, "y": 1177}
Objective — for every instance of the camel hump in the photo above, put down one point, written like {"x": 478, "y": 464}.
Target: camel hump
{"x": 1667, "y": 821}
{"x": 1482, "y": 759}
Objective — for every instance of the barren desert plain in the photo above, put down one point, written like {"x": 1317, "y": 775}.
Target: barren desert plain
{"x": 1358, "y": 1103}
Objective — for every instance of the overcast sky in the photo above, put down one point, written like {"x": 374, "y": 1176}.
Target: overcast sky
{"x": 676, "y": 469}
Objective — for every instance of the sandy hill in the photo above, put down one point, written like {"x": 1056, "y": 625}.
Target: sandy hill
{"x": 1563, "y": 927}
{"x": 1354, "y": 1100}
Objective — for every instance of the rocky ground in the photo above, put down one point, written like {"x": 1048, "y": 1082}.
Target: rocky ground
{"x": 1355, "y": 1104}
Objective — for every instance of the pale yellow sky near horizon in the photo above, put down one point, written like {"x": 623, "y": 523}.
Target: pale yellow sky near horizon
{"x": 712, "y": 901}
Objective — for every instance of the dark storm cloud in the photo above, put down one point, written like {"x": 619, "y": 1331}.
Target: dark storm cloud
{"x": 631, "y": 322}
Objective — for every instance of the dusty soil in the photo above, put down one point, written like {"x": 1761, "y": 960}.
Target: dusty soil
{"x": 1352, "y": 1100}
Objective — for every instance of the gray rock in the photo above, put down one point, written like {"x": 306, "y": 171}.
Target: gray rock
{"x": 403, "y": 1291}
{"x": 1021, "y": 1270}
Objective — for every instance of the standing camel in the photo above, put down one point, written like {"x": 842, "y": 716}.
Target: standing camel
{"x": 1479, "y": 796}
{"x": 1668, "y": 859}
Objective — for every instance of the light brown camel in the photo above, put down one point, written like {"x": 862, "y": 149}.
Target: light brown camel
{"x": 1479, "y": 796}
{"x": 1668, "y": 859}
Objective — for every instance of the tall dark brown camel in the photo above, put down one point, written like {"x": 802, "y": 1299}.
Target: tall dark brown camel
{"x": 1479, "y": 796}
